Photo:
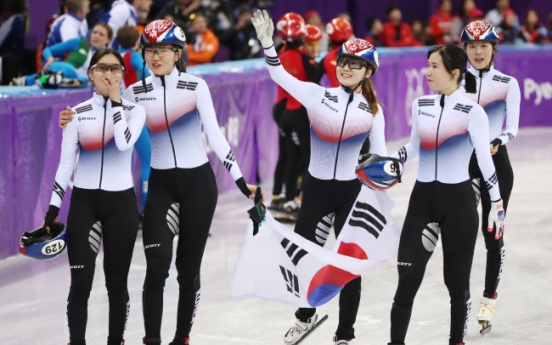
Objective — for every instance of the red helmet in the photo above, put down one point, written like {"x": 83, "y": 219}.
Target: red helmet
{"x": 339, "y": 30}
{"x": 313, "y": 33}
{"x": 291, "y": 25}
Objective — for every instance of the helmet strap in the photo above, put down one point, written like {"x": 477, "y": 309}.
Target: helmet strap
{"x": 350, "y": 90}
{"x": 144, "y": 70}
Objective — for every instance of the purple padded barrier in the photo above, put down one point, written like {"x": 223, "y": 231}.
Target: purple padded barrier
{"x": 7, "y": 191}
{"x": 243, "y": 103}
{"x": 30, "y": 138}
{"x": 401, "y": 79}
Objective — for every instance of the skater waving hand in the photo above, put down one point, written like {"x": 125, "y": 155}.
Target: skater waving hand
{"x": 341, "y": 119}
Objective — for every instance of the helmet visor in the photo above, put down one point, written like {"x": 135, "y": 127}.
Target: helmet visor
{"x": 352, "y": 62}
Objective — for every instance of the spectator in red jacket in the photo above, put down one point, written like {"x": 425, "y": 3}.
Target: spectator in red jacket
{"x": 442, "y": 23}
{"x": 532, "y": 30}
{"x": 339, "y": 31}
{"x": 396, "y": 33}
{"x": 422, "y": 32}
{"x": 313, "y": 18}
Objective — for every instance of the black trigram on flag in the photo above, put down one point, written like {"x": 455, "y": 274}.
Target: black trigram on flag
{"x": 463, "y": 108}
{"x": 426, "y": 102}
{"x": 504, "y": 80}
{"x": 365, "y": 107}
{"x": 229, "y": 160}
{"x": 367, "y": 217}
{"x": 188, "y": 85}
{"x": 330, "y": 97}
{"x": 292, "y": 283}
{"x": 141, "y": 89}
{"x": 491, "y": 181}
{"x": 293, "y": 251}
{"x": 83, "y": 109}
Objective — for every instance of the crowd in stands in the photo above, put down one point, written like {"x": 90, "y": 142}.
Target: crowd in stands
{"x": 208, "y": 24}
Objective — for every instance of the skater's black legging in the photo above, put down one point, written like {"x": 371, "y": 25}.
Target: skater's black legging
{"x": 279, "y": 172}
{"x": 97, "y": 216}
{"x": 296, "y": 127}
{"x": 320, "y": 198}
{"x": 452, "y": 208}
{"x": 181, "y": 200}
{"x": 495, "y": 248}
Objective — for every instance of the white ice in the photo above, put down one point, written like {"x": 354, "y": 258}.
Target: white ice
{"x": 33, "y": 294}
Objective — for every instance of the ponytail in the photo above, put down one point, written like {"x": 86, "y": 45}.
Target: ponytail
{"x": 369, "y": 93}
{"x": 181, "y": 66}
{"x": 470, "y": 84}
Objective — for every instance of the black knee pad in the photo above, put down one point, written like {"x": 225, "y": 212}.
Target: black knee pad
{"x": 189, "y": 282}
{"x": 155, "y": 279}
{"x": 458, "y": 295}
{"x": 115, "y": 285}
{"x": 79, "y": 291}
{"x": 157, "y": 270}
{"x": 406, "y": 291}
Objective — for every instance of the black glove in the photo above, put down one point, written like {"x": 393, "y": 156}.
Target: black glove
{"x": 243, "y": 187}
{"x": 496, "y": 142}
{"x": 51, "y": 215}
{"x": 257, "y": 213}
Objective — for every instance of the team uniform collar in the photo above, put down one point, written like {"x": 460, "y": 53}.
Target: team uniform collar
{"x": 99, "y": 100}
{"x": 345, "y": 94}
{"x": 170, "y": 79}
{"x": 453, "y": 96}
{"x": 476, "y": 71}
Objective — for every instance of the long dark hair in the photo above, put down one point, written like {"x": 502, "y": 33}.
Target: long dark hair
{"x": 455, "y": 57}
{"x": 369, "y": 92}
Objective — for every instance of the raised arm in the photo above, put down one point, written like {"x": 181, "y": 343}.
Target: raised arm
{"x": 300, "y": 90}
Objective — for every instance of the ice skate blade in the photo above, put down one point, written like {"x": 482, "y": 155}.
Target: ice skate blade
{"x": 284, "y": 217}
{"x": 324, "y": 318}
{"x": 486, "y": 328}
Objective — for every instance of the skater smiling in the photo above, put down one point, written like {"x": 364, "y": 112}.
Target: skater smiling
{"x": 341, "y": 119}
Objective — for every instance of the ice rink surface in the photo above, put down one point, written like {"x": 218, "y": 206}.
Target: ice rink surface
{"x": 33, "y": 293}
